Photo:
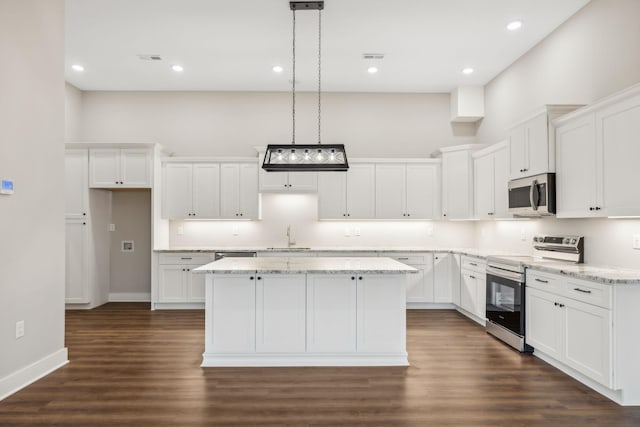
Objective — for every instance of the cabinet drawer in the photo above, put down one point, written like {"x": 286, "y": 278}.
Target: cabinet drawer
{"x": 545, "y": 281}
{"x": 186, "y": 258}
{"x": 590, "y": 292}
{"x": 474, "y": 264}
{"x": 411, "y": 259}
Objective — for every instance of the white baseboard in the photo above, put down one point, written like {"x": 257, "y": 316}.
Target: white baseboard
{"x": 304, "y": 359}
{"x": 32, "y": 373}
{"x": 430, "y": 306}
{"x": 130, "y": 297}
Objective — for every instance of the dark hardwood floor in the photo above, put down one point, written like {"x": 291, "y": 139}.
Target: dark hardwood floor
{"x": 131, "y": 366}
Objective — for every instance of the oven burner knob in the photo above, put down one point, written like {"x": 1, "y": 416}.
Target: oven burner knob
{"x": 573, "y": 241}
{"x": 566, "y": 241}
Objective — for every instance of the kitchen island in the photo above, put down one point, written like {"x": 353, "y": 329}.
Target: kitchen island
{"x": 321, "y": 311}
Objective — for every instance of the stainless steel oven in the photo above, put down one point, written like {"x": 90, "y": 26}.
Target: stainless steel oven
{"x": 533, "y": 196}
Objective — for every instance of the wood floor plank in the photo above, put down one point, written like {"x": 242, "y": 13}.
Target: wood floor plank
{"x": 131, "y": 366}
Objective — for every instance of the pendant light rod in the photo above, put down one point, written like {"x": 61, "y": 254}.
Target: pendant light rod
{"x": 293, "y": 81}
{"x": 319, "y": 71}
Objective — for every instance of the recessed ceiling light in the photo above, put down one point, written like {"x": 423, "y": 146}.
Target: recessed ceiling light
{"x": 177, "y": 68}
{"x": 77, "y": 67}
{"x": 372, "y": 70}
{"x": 514, "y": 25}
{"x": 277, "y": 69}
{"x": 467, "y": 70}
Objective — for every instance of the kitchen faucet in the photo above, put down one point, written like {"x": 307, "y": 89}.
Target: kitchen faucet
{"x": 290, "y": 241}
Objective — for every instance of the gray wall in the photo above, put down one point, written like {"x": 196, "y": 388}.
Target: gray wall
{"x": 130, "y": 272}
{"x": 73, "y": 112}
{"x": 32, "y": 153}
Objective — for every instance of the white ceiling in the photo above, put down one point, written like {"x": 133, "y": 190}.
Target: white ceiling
{"x": 232, "y": 44}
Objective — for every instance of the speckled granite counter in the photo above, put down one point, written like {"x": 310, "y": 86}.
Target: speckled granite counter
{"x": 606, "y": 275}
{"x": 319, "y": 265}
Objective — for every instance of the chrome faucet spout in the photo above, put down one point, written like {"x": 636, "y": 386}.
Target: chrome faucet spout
{"x": 290, "y": 241}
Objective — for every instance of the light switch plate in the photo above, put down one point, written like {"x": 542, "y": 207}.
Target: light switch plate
{"x": 347, "y": 232}
{"x": 20, "y": 329}
{"x": 180, "y": 230}
{"x": 636, "y": 241}
{"x": 236, "y": 231}
{"x": 112, "y": 227}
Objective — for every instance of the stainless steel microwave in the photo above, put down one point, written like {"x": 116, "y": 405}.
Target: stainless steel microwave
{"x": 533, "y": 195}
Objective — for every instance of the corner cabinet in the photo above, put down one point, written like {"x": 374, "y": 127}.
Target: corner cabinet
{"x": 491, "y": 181}
{"x": 532, "y": 142}
{"x": 239, "y": 197}
{"x": 407, "y": 190}
{"x": 597, "y": 152}
{"x": 120, "y": 167}
{"x": 347, "y": 195}
{"x": 457, "y": 181}
{"x": 176, "y": 281}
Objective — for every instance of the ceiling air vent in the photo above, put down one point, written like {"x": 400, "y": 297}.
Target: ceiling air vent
{"x": 150, "y": 57}
{"x": 373, "y": 56}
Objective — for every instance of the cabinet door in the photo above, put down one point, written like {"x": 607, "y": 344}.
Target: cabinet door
{"x": 361, "y": 191}
{"x": 481, "y": 299}
{"x": 587, "y": 342}
{"x": 230, "y": 190}
{"x": 618, "y": 127}
{"x": 517, "y": 152}
{"x": 231, "y": 307}
{"x": 178, "y": 191}
{"x": 468, "y": 292}
{"x": 206, "y": 190}
{"x": 104, "y": 168}
{"x": 483, "y": 169}
{"x": 303, "y": 181}
{"x": 417, "y": 289}
{"x": 442, "y": 286}
{"x": 381, "y": 318}
{"x": 331, "y": 313}
{"x": 501, "y": 184}
{"x": 76, "y": 183}
{"x": 390, "y": 191}
{"x": 537, "y": 130}
{"x": 172, "y": 283}
{"x": 135, "y": 168}
{"x": 455, "y": 278}
{"x": 280, "y": 313}
{"x": 76, "y": 262}
{"x": 249, "y": 204}
{"x": 543, "y": 322}
{"x": 577, "y": 168}
{"x": 332, "y": 195}
{"x": 422, "y": 191}
{"x": 195, "y": 286}
{"x": 273, "y": 181}
{"x": 457, "y": 185}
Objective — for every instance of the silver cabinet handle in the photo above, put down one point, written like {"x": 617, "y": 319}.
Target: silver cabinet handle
{"x": 584, "y": 291}
{"x": 541, "y": 281}
{"x": 473, "y": 263}
{"x": 186, "y": 258}
{"x": 473, "y": 277}
{"x": 404, "y": 259}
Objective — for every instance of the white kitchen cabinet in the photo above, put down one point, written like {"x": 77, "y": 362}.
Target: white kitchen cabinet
{"x": 420, "y": 284}
{"x": 457, "y": 181}
{"x": 288, "y": 182}
{"x": 597, "y": 152}
{"x": 191, "y": 190}
{"x": 280, "y": 313}
{"x": 407, "y": 191}
{"x": 331, "y": 313}
{"x": 455, "y": 266}
{"x": 77, "y": 280}
{"x": 491, "y": 180}
{"x": 531, "y": 142}
{"x": 120, "y": 167}
{"x": 443, "y": 281}
{"x": 239, "y": 197}
{"x": 176, "y": 281}
{"x": 381, "y": 317}
{"x": 76, "y": 183}
{"x": 543, "y": 322}
{"x": 473, "y": 288}
{"x": 347, "y": 195}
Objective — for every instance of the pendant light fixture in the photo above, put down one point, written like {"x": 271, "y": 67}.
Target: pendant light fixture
{"x": 305, "y": 157}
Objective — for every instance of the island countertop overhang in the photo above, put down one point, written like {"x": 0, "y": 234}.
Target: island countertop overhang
{"x": 297, "y": 265}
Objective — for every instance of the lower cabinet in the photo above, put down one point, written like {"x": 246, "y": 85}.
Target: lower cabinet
{"x": 232, "y": 318}
{"x": 76, "y": 262}
{"x": 473, "y": 287}
{"x": 433, "y": 281}
{"x": 176, "y": 281}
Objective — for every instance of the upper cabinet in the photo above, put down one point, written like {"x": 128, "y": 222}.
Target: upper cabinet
{"x": 287, "y": 182}
{"x": 191, "y": 190}
{"x": 120, "y": 167}
{"x": 491, "y": 179}
{"x": 457, "y": 181}
{"x": 407, "y": 191}
{"x": 597, "y": 152}
{"x": 532, "y": 142}
{"x": 347, "y": 195}
{"x": 239, "y": 191}
{"x": 76, "y": 183}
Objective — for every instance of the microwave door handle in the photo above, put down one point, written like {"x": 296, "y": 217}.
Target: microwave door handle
{"x": 533, "y": 195}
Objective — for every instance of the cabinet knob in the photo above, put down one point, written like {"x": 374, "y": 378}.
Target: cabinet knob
{"x": 598, "y": 208}
{"x": 353, "y": 278}
{"x": 348, "y": 214}
{"x": 241, "y": 214}
{"x": 444, "y": 214}
{"x": 344, "y": 214}
{"x": 236, "y": 214}
{"x": 84, "y": 223}
{"x": 360, "y": 278}
{"x": 591, "y": 208}
{"x": 251, "y": 278}
{"x": 561, "y": 305}
{"x": 555, "y": 303}
{"x": 408, "y": 214}
{"x": 84, "y": 213}
{"x": 259, "y": 278}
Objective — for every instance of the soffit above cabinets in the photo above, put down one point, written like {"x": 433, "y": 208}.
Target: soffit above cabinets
{"x": 233, "y": 45}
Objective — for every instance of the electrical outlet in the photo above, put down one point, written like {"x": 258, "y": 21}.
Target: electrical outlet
{"x": 356, "y": 231}
{"x": 235, "y": 231}
{"x": 347, "y": 232}
{"x": 636, "y": 241}
{"x": 180, "y": 231}
{"x": 19, "y": 329}
{"x": 429, "y": 230}
{"x": 523, "y": 235}
{"x": 112, "y": 227}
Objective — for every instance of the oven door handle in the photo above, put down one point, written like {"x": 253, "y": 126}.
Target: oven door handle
{"x": 515, "y": 277}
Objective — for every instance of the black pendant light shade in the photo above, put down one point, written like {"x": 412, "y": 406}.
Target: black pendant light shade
{"x": 305, "y": 158}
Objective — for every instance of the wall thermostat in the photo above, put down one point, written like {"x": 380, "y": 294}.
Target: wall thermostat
{"x": 6, "y": 187}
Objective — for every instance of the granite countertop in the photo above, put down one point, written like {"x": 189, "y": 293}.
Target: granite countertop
{"x": 601, "y": 274}
{"x": 297, "y": 265}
